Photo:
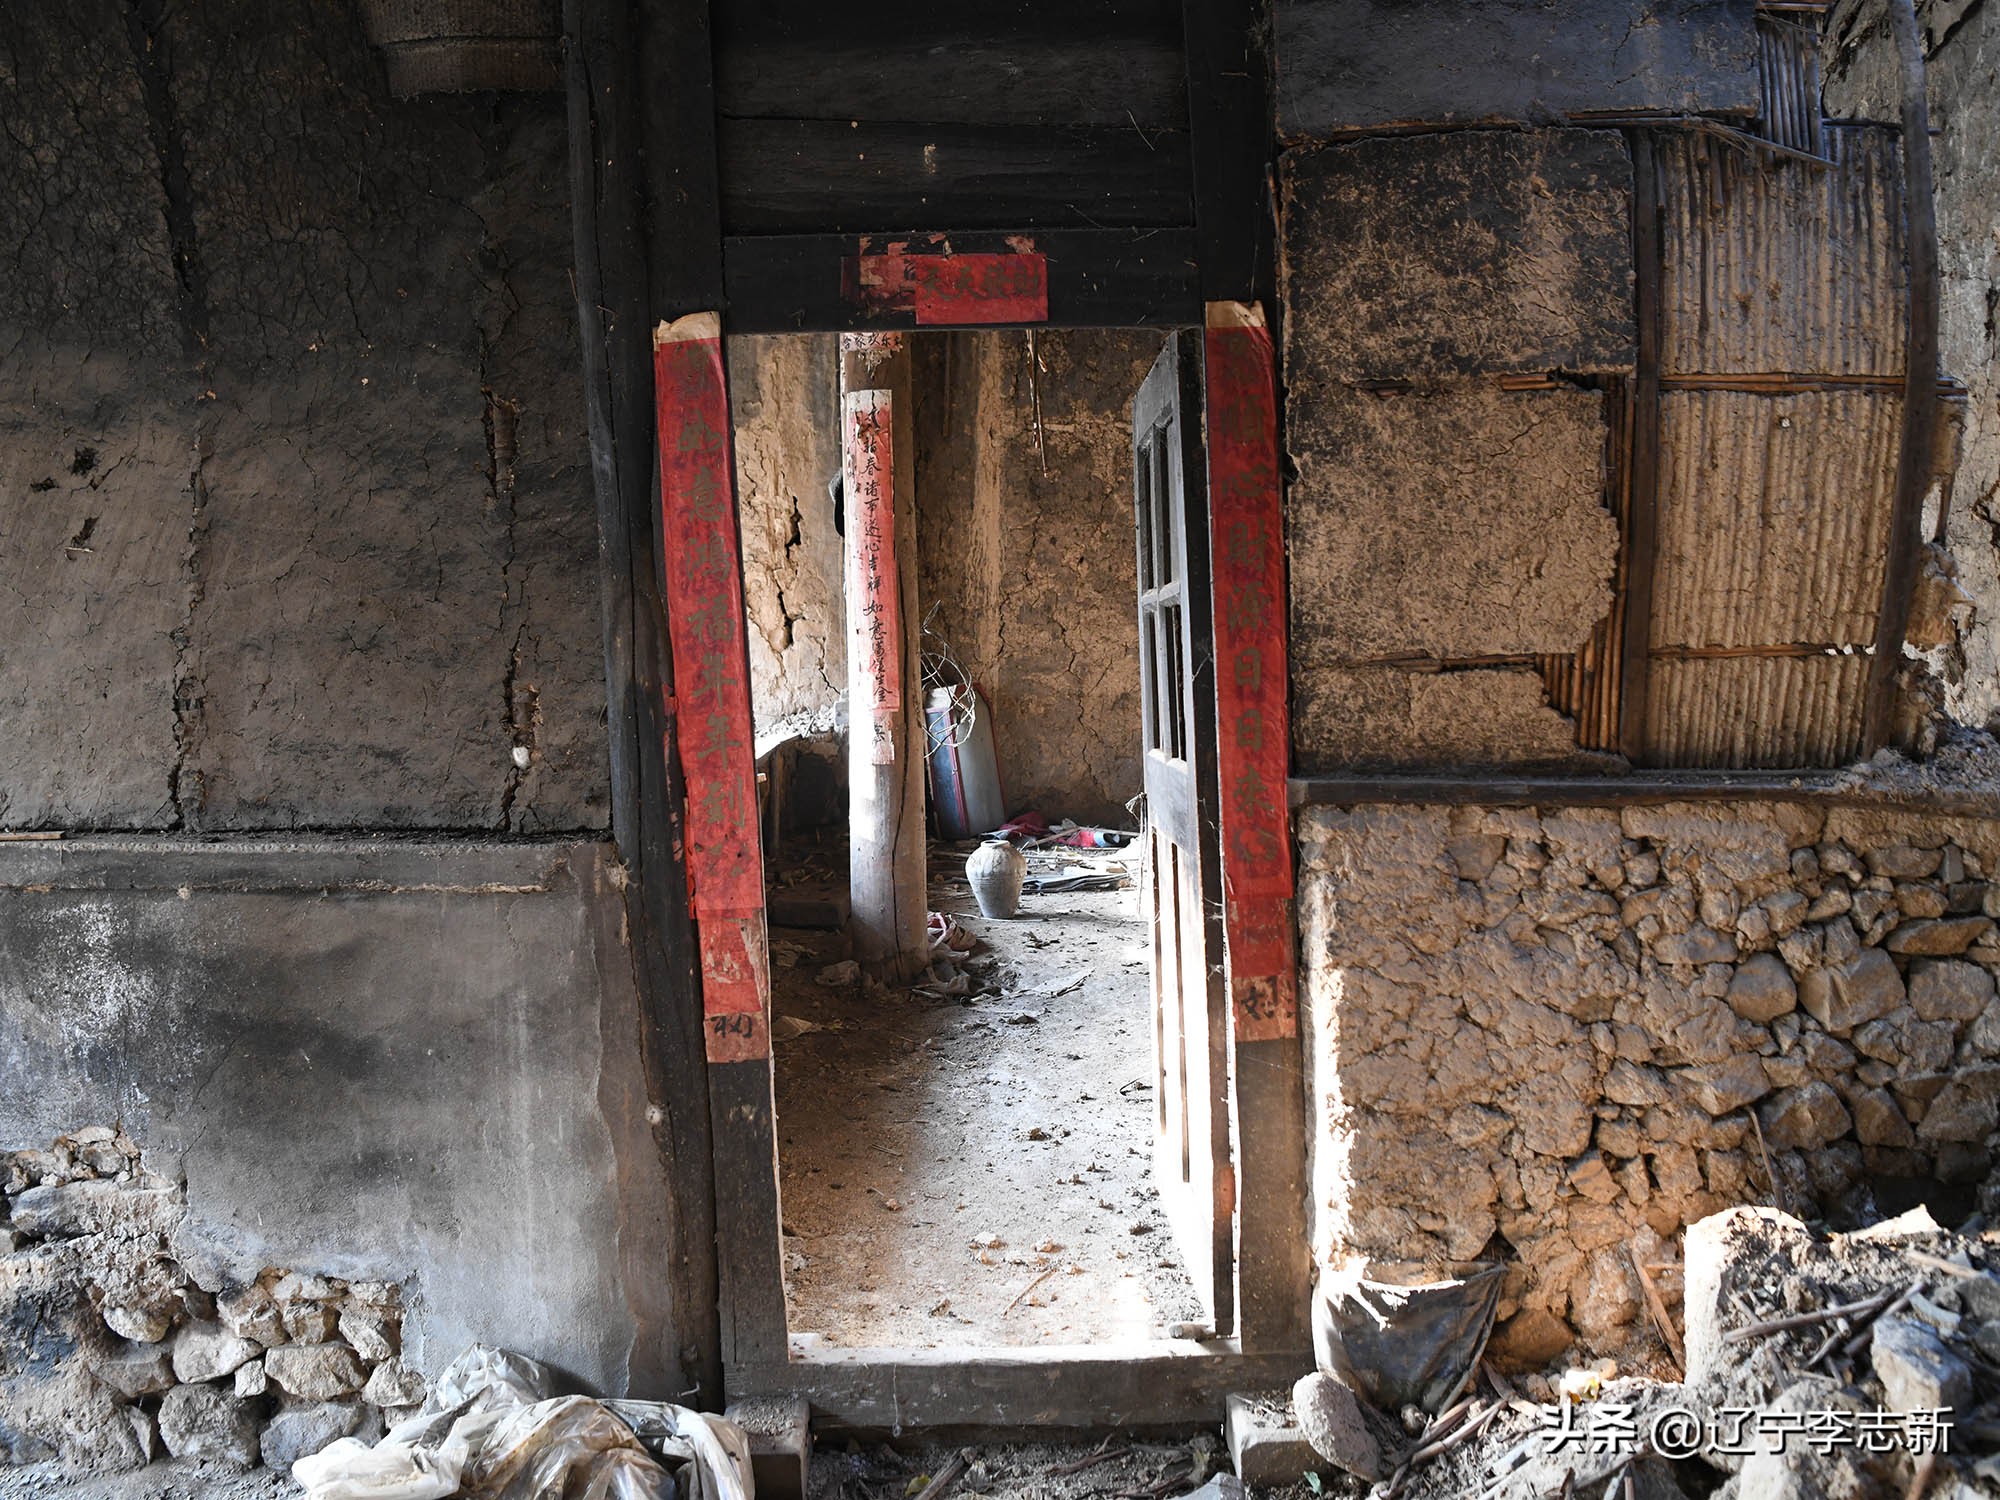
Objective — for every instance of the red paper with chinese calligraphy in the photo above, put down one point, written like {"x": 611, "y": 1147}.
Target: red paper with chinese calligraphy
{"x": 942, "y": 288}
{"x": 875, "y": 629}
{"x": 710, "y": 712}
{"x": 1248, "y": 552}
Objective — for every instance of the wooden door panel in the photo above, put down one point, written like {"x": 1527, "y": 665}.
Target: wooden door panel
{"x": 1191, "y": 1161}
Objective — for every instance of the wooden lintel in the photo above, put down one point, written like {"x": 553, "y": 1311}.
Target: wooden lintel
{"x": 1096, "y": 278}
{"x": 1630, "y": 791}
{"x": 1043, "y": 1389}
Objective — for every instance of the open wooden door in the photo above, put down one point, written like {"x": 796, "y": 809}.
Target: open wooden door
{"x": 1191, "y": 1159}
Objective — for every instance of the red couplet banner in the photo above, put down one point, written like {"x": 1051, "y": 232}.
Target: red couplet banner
{"x": 1248, "y": 559}
{"x": 937, "y": 286}
{"x": 710, "y": 711}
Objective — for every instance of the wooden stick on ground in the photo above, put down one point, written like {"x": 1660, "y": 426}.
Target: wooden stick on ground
{"x": 1808, "y": 1319}
{"x": 1027, "y": 1289}
{"x": 1770, "y": 1177}
{"x": 1853, "y": 1345}
{"x": 1939, "y": 1263}
{"x": 947, "y": 1476}
{"x": 1658, "y": 1308}
{"x": 1091, "y": 1461}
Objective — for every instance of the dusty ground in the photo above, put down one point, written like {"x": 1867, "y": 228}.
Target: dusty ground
{"x": 976, "y": 1170}
{"x": 1117, "y": 1467}
{"x": 170, "y": 1479}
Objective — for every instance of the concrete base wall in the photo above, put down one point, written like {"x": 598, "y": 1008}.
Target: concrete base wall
{"x": 396, "y": 1061}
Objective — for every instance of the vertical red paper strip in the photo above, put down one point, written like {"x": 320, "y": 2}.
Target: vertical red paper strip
{"x": 1248, "y": 561}
{"x": 875, "y": 629}
{"x": 711, "y": 711}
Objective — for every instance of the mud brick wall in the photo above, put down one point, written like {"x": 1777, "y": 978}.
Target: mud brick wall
{"x": 295, "y": 508}
{"x": 1026, "y": 545}
{"x": 1441, "y": 518}
{"x": 1537, "y": 1036}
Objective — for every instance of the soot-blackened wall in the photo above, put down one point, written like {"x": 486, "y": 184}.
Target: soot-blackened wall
{"x": 294, "y": 501}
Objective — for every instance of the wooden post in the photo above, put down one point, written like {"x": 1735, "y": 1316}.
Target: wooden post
{"x": 1920, "y": 378}
{"x": 677, "y": 1354}
{"x": 885, "y": 735}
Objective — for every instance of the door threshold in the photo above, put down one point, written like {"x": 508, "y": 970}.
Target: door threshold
{"x": 1038, "y": 1388}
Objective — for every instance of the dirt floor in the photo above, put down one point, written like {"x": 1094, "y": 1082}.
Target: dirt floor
{"x": 169, "y": 1479}
{"x": 962, "y": 1170}
{"x": 1116, "y": 1467}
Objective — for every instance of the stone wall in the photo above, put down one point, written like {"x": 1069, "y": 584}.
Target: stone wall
{"x": 1026, "y": 548}
{"x": 295, "y": 507}
{"x": 112, "y": 1353}
{"x": 1539, "y": 1036}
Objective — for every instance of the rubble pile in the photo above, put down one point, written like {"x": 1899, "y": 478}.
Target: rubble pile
{"x": 1557, "y": 1037}
{"x": 1851, "y": 1365}
{"x": 112, "y": 1352}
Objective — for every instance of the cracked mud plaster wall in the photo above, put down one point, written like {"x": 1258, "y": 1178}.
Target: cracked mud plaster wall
{"x": 436, "y": 1086}
{"x": 784, "y": 399}
{"x": 1034, "y": 575}
{"x": 1436, "y": 518}
{"x": 1534, "y": 1036}
{"x": 1962, "y": 42}
{"x": 295, "y": 519}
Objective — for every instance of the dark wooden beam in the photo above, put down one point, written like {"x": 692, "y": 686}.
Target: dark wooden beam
{"x": 810, "y": 176}
{"x": 1649, "y": 790}
{"x": 613, "y": 302}
{"x": 955, "y": 71}
{"x": 1914, "y": 463}
{"x": 683, "y": 192}
{"x": 1642, "y": 521}
{"x": 1233, "y": 138}
{"x": 1047, "y": 1389}
{"x": 1097, "y": 278}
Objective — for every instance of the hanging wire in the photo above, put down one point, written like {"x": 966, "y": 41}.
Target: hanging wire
{"x": 938, "y": 668}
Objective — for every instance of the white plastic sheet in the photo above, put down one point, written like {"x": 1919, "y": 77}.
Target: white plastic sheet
{"x": 491, "y": 1430}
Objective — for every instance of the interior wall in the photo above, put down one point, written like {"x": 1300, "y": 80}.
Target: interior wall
{"x": 294, "y": 495}
{"x": 1962, "y": 40}
{"x": 419, "y": 1063}
{"x": 785, "y": 401}
{"x": 1026, "y": 552}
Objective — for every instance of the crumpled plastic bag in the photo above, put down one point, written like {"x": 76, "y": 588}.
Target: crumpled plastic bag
{"x": 490, "y": 1430}
{"x": 716, "y": 1451}
{"x": 571, "y": 1447}
{"x": 1398, "y": 1346}
{"x": 351, "y": 1470}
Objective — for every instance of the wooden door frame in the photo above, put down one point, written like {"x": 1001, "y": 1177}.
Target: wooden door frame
{"x": 650, "y": 252}
{"x": 1138, "y": 1383}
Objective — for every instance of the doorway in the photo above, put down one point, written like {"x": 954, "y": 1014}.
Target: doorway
{"x": 1003, "y": 1152}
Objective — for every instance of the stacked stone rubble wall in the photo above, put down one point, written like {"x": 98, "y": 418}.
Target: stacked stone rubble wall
{"x": 1541, "y": 1036}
